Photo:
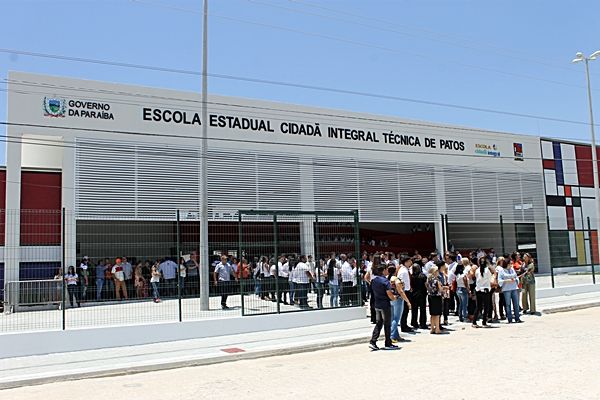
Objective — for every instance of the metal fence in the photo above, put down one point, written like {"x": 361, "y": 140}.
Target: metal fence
{"x": 114, "y": 260}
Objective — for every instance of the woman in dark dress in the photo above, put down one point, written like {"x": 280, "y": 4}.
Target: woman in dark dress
{"x": 434, "y": 292}
{"x": 418, "y": 282}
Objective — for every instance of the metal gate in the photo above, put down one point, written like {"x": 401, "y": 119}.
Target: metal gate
{"x": 272, "y": 244}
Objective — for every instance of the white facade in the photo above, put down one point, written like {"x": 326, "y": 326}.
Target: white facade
{"x": 131, "y": 163}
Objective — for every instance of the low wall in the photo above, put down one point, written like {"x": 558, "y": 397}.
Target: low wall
{"x": 45, "y": 342}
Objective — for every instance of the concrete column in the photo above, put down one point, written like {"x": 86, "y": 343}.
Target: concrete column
{"x": 68, "y": 202}
{"x": 12, "y": 218}
{"x": 307, "y": 238}
{"x": 439, "y": 237}
{"x": 543, "y": 247}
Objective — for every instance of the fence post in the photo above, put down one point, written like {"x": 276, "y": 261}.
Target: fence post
{"x": 62, "y": 283}
{"x": 447, "y": 237}
{"x": 591, "y": 250}
{"x": 551, "y": 266}
{"x": 357, "y": 258}
{"x": 443, "y": 250}
{"x": 240, "y": 271}
{"x": 178, "y": 266}
{"x": 502, "y": 235}
{"x": 276, "y": 260}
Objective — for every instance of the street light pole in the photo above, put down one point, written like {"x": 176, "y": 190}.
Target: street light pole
{"x": 204, "y": 262}
{"x": 578, "y": 58}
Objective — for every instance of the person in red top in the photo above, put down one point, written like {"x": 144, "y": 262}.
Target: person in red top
{"x": 243, "y": 273}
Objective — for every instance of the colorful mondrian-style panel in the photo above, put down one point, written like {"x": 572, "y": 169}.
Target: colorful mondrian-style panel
{"x": 570, "y": 201}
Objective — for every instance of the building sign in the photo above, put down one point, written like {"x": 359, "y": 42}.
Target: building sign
{"x": 57, "y": 107}
{"x": 487, "y": 150}
{"x": 518, "y": 149}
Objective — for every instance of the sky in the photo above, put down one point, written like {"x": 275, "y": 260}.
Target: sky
{"x": 504, "y": 56}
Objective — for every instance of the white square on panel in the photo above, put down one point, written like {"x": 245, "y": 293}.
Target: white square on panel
{"x": 572, "y": 245}
{"x": 569, "y": 164}
{"x": 557, "y": 217}
{"x": 561, "y": 190}
{"x": 569, "y": 201}
{"x": 589, "y": 210}
{"x": 547, "y": 150}
{"x": 587, "y": 192}
{"x": 550, "y": 180}
{"x": 577, "y": 218}
{"x": 575, "y": 191}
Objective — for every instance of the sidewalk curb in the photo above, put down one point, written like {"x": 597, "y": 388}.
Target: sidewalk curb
{"x": 187, "y": 363}
{"x": 574, "y": 307}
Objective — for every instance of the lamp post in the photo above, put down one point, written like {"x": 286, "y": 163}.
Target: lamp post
{"x": 579, "y": 57}
{"x": 203, "y": 261}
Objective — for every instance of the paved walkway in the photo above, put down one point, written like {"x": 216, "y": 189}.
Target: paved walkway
{"x": 117, "y": 361}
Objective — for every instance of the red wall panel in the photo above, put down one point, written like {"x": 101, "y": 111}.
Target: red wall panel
{"x": 40, "y": 208}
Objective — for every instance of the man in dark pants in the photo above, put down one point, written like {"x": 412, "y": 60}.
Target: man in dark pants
{"x": 382, "y": 291}
{"x": 222, "y": 275}
{"x": 404, "y": 276}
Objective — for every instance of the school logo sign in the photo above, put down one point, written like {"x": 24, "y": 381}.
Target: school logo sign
{"x": 54, "y": 107}
{"x": 518, "y": 150}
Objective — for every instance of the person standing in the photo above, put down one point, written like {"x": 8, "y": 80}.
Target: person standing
{"x": 222, "y": 276}
{"x": 128, "y": 272}
{"x": 119, "y": 279}
{"x": 347, "y": 281}
{"x": 483, "y": 290}
{"x": 443, "y": 276}
{"x": 283, "y": 275}
{"x": 84, "y": 274}
{"x": 462, "y": 289}
{"x": 400, "y": 302}
{"x": 434, "y": 296}
{"x": 419, "y": 296}
{"x": 303, "y": 277}
{"x": 528, "y": 299}
{"x": 155, "y": 281}
{"x": 318, "y": 280}
{"x": 382, "y": 291}
{"x": 72, "y": 280}
{"x": 181, "y": 277}
{"x": 168, "y": 269}
{"x": 508, "y": 280}
{"x": 333, "y": 275}
{"x": 404, "y": 276}
{"x": 193, "y": 269}
{"x": 100, "y": 273}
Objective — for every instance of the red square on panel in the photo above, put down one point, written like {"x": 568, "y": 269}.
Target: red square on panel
{"x": 568, "y": 191}
{"x": 584, "y": 165}
{"x": 548, "y": 164}
{"x": 570, "y": 219}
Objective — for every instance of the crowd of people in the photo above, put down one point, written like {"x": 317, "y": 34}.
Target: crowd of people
{"x": 479, "y": 287}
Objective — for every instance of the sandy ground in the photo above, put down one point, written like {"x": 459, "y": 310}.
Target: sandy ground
{"x": 550, "y": 357}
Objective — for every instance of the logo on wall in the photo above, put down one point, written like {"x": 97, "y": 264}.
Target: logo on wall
{"x": 54, "y": 107}
{"x": 487, "y": 150}
{"x": 518, "y": 149}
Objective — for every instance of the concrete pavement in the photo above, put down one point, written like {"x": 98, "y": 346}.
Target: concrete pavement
{"x": 15, "y": 372}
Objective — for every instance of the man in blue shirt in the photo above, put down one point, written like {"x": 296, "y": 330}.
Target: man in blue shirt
{"x": 382, "y": 292}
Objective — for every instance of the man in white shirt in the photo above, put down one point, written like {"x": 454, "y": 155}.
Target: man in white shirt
{"x": 119, "y": 278}
{"x": 404, "y": 275}
{"x": 283, "y": 270}
{"x": 453, "y": 301}
{"x": 222, "y": 275}
{"x": 433, "y": 259}
{"x": 303, "y": 277}
{"x": 348, "y": 279}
